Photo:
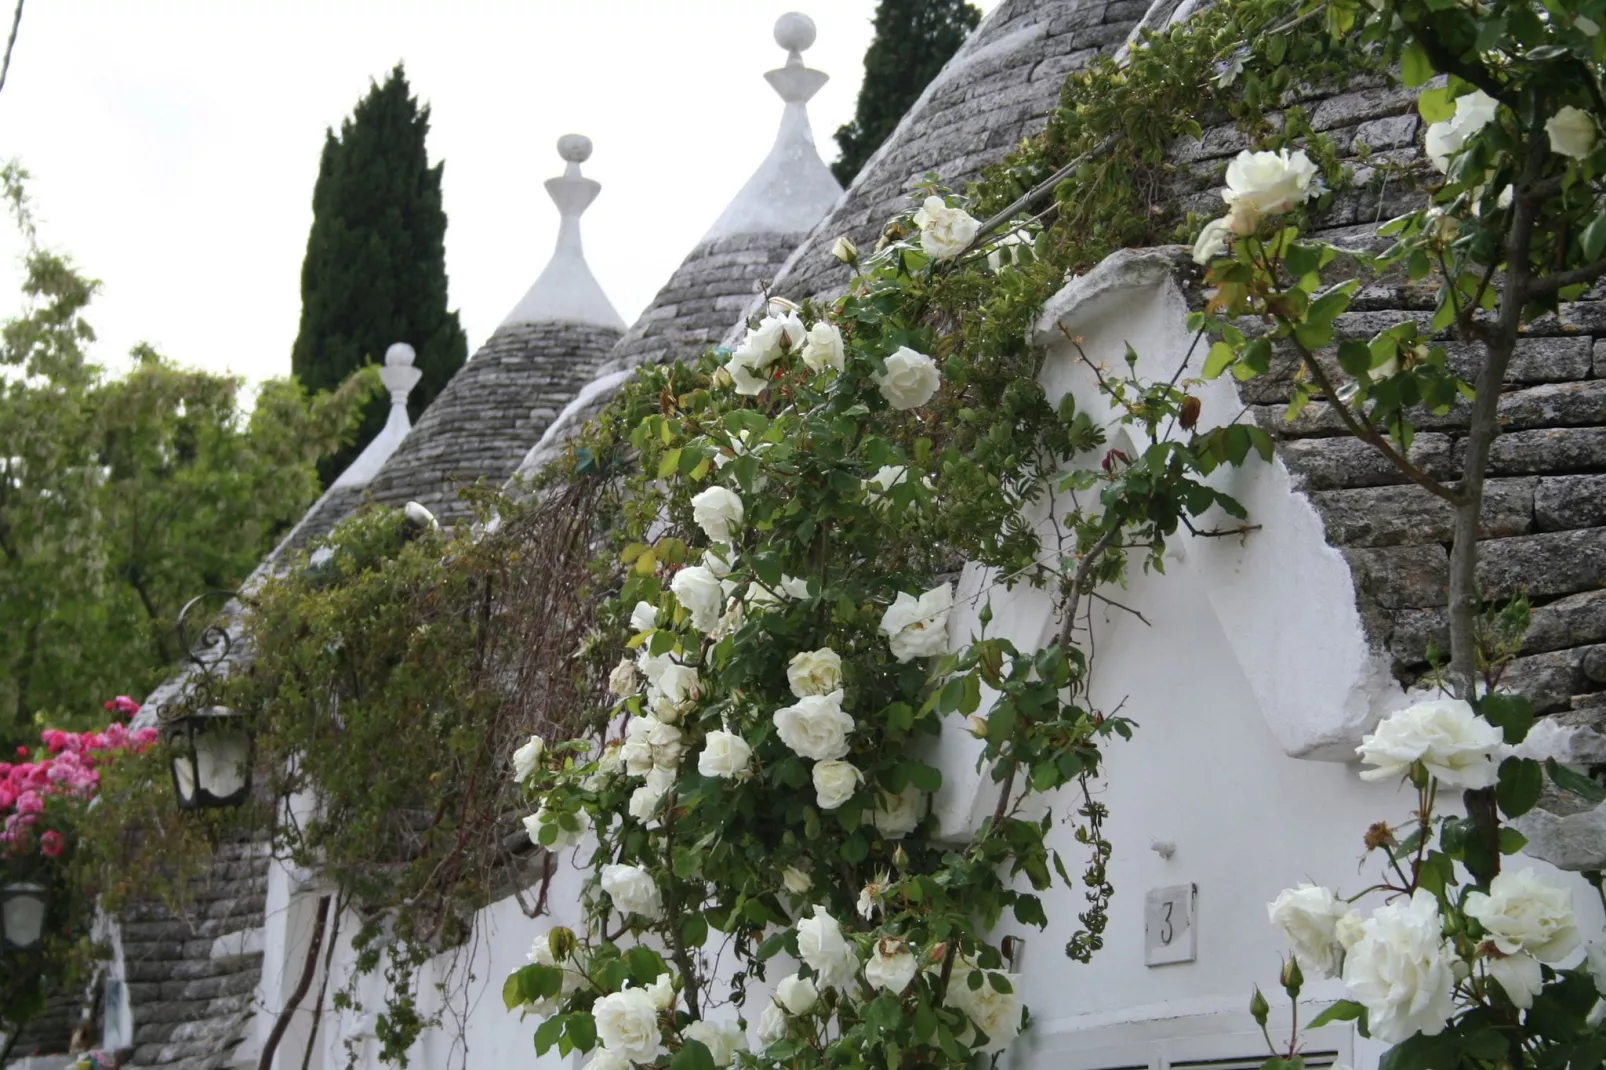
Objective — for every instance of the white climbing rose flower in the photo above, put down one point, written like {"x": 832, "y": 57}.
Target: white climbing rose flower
{"x": 796, "y": 994}
{"x": 1309, "y": 915}
{"x": 995, "y": 1013}
{"x": 1401, "y": 971}
{"x": 796, "y": 880}
{"x": 722, "y": 1039}
{"x": 543, "y": 817}
{"x": 650, "y": 744}
{"x": 699, "y": 591}
{"x": 622, "y": 681}
{"x": 944, "y": 232}
{"x": 995, "y": 255}
{"x": 814, "y": 672}
{"x": 895, "y": 816}
{"x": 820, "y": 943}
{"x": 910, "y": 380}
{"x": 1525, "y": 912}
{"x": 627, "y": 1024}
{"x": 1519, "y": 975}
{"x": 608, "y": 1060}
{"x": 527, "y": 757}
{"x": 834, "y": 783}
{"x": 645, "y": 799}
{"x": 1212, "y": 240}
{"x": 725, "y": 754}
{"x": 747, "y": 378}
{"x": 717, "y": 510}
{"x": 632, "y": 890}
{"x": 918, "y": 627}
{"x": 644, "y": 617}
{"x": 1445, "y": 735}
{"x": 891, "y": 966}
{"x": 815, "y": 726}
{"x": 662, "y": 991}
{"x": 573, "y": 980}
{"x": 771, "y": 1024}
{"x": 844, "y": 250}
{"x": 718, "y": 560}
{"x": 822, "y": 348}
{"x": 677, "y": 690}
{"x": 1473, "y": 111}
{"x": 1260, "y": 184}
{"x": 1572, "y": 132}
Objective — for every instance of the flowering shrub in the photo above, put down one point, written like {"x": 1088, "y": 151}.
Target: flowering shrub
{"x": 788, "y": 656}
{"x": 1450, "y": 969}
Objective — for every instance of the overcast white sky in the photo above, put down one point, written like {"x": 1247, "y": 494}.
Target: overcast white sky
{"x": 174, "y": 143}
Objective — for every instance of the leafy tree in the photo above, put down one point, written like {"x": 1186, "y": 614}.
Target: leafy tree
{"x": 122, "y": 498}
{"x": 913, "y": 39}
{"x": 375, "y": 269}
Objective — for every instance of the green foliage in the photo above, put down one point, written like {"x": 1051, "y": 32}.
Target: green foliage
{"x": 375, "y": 269}
{"x": 913, "y": 40}
{"x": 123, "y": 497}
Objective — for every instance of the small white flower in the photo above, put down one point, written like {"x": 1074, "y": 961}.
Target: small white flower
{"x": 1309, "y": 915}
{"x": 722, "y": 1039}
{"x": 796, "y": 994}
{"x": 944, "y": 232}
{"x": 527, "y": 757}
{"x": 1572, "y": 132}
{"x": 716, "y": 511}
{"x": 910, "y": 380}
{"x": 622, "y": 681}
{"x": 1401, "y": 971}
{"x": 699, "y": 591}
{"x": 1525, "y": 912}
{"x": 718, "y": 560}
{"x": 918, "y": 627}
{"x": 1445, "y": 735}
{"x": 662, "y": 992}
{"x": 677, "y": 690}
{"x": 814, "y": 672}
{"x": 1212, "y": 241}
{"x": 815, "y": 726}
{"x": 644, "y": 618}
{"x": 834, "y": 783}
{"x": 895, "y": 816}
{"x": 796, "y": 880}
{"x": 820, "y": 943}
{"x": 1473, "y": 112}
{"x": 627, "y": 1024}
{"x": 632, "y": 890}
{"x": 771, "y": 1024}
{"x": 822, "y": 348}
{"x": 870, "y": 897}
{"x": 748, "y": 379}
{"x": 844, "y": 250}
{"x": 573, "y": 980}
{"x": 1260, "y": 184}
{"x": 891, "y": 966}
{"x": 645, "y": 799}
{"x": 651, "y": 744}
{"x": 995, "y": 256}
{"x": 725, "y": 754}
{"x": 543, "y": 817}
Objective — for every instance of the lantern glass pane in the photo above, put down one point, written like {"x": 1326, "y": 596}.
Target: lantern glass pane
{"x": 222, "y": 757}
{"x": 184, "y": 775}
{"x": 22, "y": 914}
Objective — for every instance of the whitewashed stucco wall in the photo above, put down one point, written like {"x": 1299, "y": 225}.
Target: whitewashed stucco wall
{"x": 1252, "y": 663}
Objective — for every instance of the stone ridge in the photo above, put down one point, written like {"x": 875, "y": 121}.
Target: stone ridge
{"x": 491, "y": 413}
{"x": 1544, "y": 526}
{"x": 999, "y": 88}
{"x": 708, "y": 292}
{"x": 192, "y": 980}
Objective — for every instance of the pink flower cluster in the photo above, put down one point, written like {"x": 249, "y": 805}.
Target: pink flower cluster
{"x": 67, "y": 772}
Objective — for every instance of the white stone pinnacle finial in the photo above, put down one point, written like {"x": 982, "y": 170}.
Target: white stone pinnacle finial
{"x": 792, "y": 189}
{"x": 567, "y": 292}
{"x": 399, "y": 377}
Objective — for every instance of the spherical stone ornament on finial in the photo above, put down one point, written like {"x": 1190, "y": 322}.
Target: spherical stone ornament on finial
{"x": 575, "y": 148}
{"x": 794, "y": 31}
{"x": 400, "y": 355}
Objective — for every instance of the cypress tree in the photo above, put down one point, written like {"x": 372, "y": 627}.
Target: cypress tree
{"x": 375, "y": 270}
{"x": 913, "y": 39}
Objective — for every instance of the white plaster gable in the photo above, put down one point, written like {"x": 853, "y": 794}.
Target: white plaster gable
{"x": 792, "y": 189}
{"x": 566, "y": 291}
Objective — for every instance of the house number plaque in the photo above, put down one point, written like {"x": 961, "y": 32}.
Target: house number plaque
{"x": 1169, "y": 934}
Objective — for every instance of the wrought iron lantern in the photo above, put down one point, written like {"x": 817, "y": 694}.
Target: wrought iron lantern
{"x": 211, "y": 751}
{"x": 212, "y": 746}
{"x": 23, "y": 907}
